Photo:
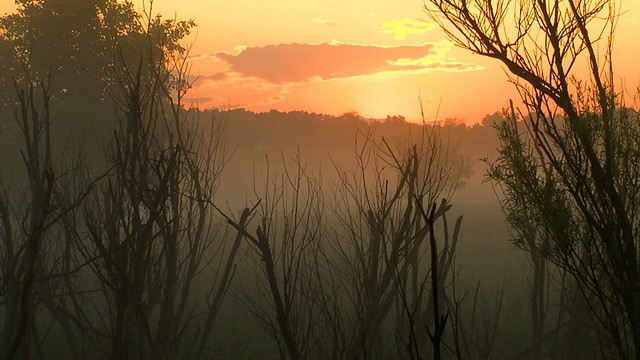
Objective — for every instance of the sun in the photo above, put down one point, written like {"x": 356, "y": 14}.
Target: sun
{"x": 378, "y": 96}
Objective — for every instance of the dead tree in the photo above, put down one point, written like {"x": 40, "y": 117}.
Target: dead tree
{"x": 382, "y": 238}
{"x": 151, "y": 229}
{"x": 292, "y": 222}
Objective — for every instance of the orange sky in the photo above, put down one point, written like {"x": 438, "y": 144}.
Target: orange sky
{"x": 333, "y": 56}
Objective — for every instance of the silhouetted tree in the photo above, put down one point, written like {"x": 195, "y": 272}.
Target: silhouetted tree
{"x": 378, "y": 252}
{"x": 76, "y": 43}
{"x": 292, "y": 226}
{"x": 35, "y": 257}
{"x": 577, "y": 177}
{"x": 150, "y": 230}
{"x": 114, "y": 266}
{"x": 73, "y": 40}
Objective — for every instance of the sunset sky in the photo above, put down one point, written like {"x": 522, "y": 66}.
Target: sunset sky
{"x": 334, "y": 56}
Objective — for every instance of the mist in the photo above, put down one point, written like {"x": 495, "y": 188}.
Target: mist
{"x": 136, "y": 225}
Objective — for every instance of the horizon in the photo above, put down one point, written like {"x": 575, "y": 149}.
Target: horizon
{"x": 323, "y": 116}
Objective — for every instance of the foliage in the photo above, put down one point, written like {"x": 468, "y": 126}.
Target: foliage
{"x": 77, "y": 43}
{"x": 571, "y": 193}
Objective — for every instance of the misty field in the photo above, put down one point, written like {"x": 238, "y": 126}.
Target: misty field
{"x": 135, "y": 225}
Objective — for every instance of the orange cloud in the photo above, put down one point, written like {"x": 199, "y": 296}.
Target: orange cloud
{"x": 217, "y": 76}
{"x": 241, "y": 91}
{"x": 294, "y": 63}
{"x": 261, "y": 77}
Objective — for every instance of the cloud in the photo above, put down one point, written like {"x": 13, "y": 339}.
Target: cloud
{"x": 245, "y": 91}
{"x": 401, "y": 28}
{"x": 261, "y": 77}
{"x": 294, "y": 63}
{"x": 321, "y": 21}
{"x": 454, "y": 66}
{"x": 437, "y": 61}
{"x": 199, "y": 57}
{"x": 214, "y": 77}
